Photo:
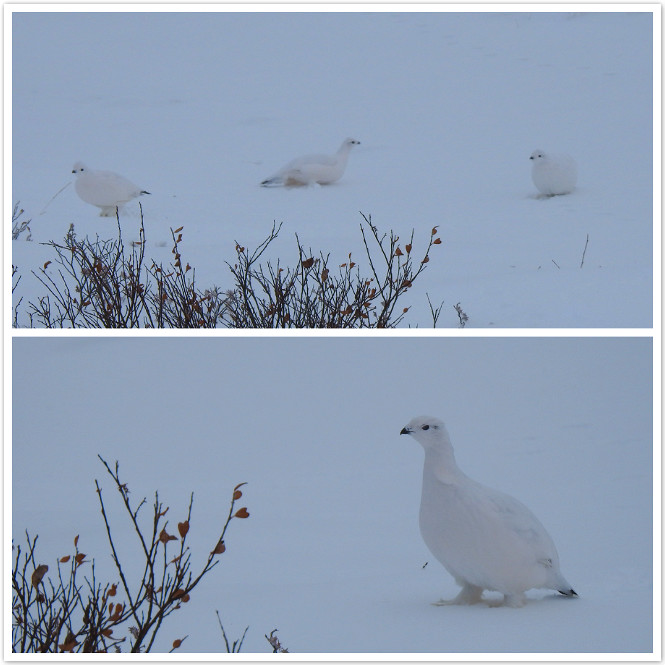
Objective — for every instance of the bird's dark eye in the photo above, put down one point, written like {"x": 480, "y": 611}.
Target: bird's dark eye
{"x": 425, "y": 427}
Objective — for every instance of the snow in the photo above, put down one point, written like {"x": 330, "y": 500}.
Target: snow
{"x": 331, "y": 555}
{"x": 199, "y": 107}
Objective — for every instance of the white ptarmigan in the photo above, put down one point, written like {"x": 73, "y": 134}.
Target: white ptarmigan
{"x": 485, "y": 539}
{"x": 553, "y": 174}
{"x": 313, "y": 169}
{"x": 104, "y": 189}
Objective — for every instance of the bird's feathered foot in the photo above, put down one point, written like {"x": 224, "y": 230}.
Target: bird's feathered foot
{"x": 469, "y": 595}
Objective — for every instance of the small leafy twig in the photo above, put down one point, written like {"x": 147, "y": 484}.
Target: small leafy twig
{"x": 461, "y": 315}
{"x": 19, "y": 227}
{"x": 275, "y": 643}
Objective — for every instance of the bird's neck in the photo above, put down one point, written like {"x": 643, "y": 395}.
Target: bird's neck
{"x": 440, "y": 463}
{"x": 344, "y": 150}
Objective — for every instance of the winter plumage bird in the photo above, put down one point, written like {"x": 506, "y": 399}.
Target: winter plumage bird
{"x": 485, "y": 539}
{"x": 553, "y": 174}
{"x": 311, "y": 169}
{"x": 104, "y": 189}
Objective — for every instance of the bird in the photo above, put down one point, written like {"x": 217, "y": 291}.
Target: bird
{"x": 486, "y": 540}
{"x": 313, "y": 169}
{"x": 553, "y": 174}
{"x": 104, "y": 189}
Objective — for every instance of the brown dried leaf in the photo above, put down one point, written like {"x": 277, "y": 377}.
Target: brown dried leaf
{"x": 324, "y": 274}
{"x": 242, "y": 513}
{"x": 425, "y": 260}
{"x": 69, "y": 643}
{"x": 407, "y": 248}
{"x": 107, "y": 632}
{"x": 65, "y": 559}
{"x": 308, "y": 263}
{"x": 79, "y": 558}
{"x": 434, "y": 230}
{"x": 176, "y": 643}
{"x": 351, "y": 264}
{"x": 220, "y": 548}
{"x": 437, "y": 241}
{"x": 236, "y": 495}
{"x": 178, "y": 593}
{"x": 46, "y": 265}
{"x": 76, "y": 541}
{"x": 183, "y": 528}
{"x": 39, "y": 573}
{"x": 113, "y": 590}
{"x": 165, "y": 537}
{"x": 399, "y": 252}
{"x": 179, "y": 229}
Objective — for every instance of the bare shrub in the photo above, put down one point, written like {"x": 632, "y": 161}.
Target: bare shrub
{"x": 314, "y": 294}
{"x": 102, "y": 284}
{"x": 74, "y": 611}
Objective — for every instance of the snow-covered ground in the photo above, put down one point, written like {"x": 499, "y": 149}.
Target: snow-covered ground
{"x": 198, "y": 108}
{"x": 331, "y": 555}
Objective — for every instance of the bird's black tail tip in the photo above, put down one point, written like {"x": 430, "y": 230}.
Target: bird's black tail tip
{"x": 568, "y": 592}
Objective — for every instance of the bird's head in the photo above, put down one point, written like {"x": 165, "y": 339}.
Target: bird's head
{"x": 428, "y": 431}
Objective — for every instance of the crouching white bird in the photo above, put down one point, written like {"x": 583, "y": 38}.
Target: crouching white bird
{"x": 311, "y": 169}
{"x": 553, "y": 174}
{"x": 485, "y": 539}
{"x": 104, "y": 189}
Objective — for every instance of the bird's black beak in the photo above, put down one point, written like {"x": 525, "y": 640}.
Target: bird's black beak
{"x": 405, "y": 430}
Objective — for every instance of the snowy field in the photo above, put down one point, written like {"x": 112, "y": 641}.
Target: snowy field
{"x": 331, "y": 555}
{"x": 198, "y": 108}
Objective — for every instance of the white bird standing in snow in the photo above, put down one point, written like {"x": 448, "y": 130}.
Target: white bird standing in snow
{"x": 553, "y": 174}
{"x": 104, "y": 189}
{"x": 485, "y": 539}
{"x": 311, "y": 169}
